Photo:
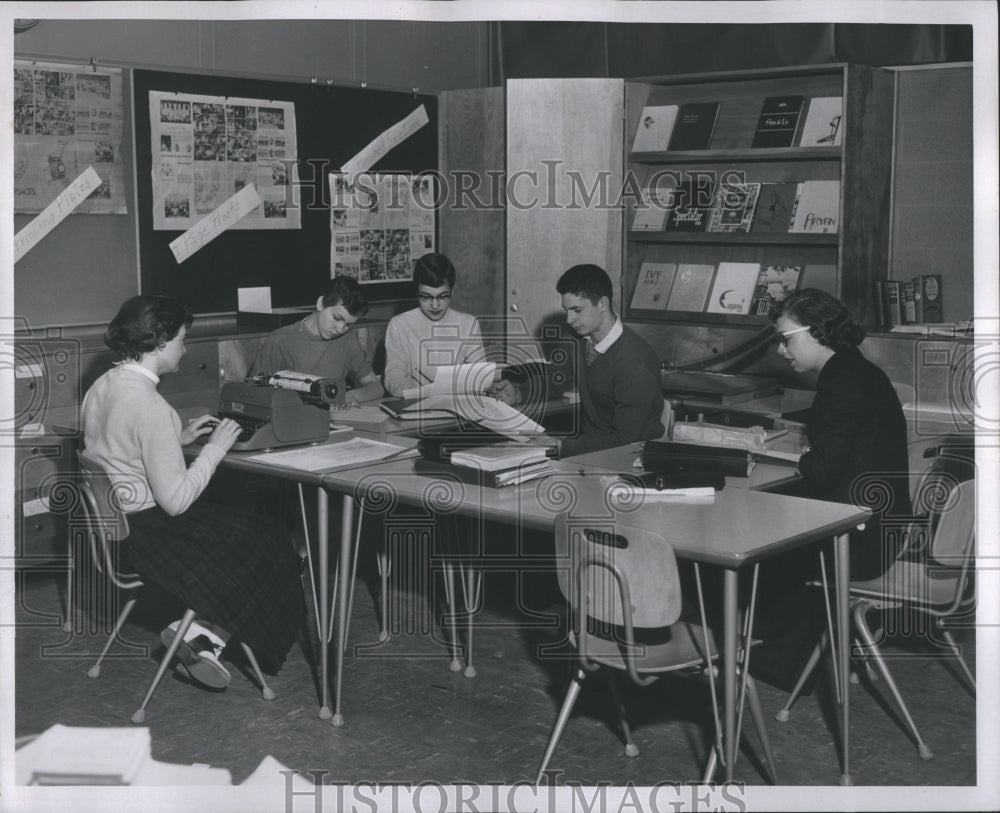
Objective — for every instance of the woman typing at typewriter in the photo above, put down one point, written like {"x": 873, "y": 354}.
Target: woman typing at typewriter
{"x": 236, "y": 570}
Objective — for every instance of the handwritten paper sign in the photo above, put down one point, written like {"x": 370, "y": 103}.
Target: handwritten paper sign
{"x": 384, "y": 142}
{"x": 53, "y": 214}
{"x": 211, "y": 226}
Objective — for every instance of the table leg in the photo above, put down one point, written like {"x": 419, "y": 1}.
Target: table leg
{"x": 842, "y": 557}
{"x": 323, "y": 540}
{"x": 730, "y": 583}
{"x": 343, "y": 586}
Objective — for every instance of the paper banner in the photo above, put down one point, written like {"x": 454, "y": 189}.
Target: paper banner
{"x": 53, "y": 214}
{"x": 211, "y": 226}
{"x": 384, "y": 142}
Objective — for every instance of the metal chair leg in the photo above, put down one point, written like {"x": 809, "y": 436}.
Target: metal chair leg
{"x": 265, "y": 691}
{"x": 782, "y": 715}
{"x": 567, "y": 708}
{"x": 862, "y": 626}
{"x": 630, "y": 748}
{"x": 957, "y": 652}
{"x": 95, "y": 670}
{"x": 140, "y": 714}
{"x": 757, "y": 713}
{"x": 68, "y": 619}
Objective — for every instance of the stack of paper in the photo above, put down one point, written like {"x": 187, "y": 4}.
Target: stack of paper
{"x": 498, "y": 457}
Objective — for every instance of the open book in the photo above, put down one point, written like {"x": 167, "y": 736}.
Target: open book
{"x": 481, "y": 409}
{"x": 455, "y": 379}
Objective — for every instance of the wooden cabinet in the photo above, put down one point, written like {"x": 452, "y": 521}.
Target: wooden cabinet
{"x": 846, "y": 262}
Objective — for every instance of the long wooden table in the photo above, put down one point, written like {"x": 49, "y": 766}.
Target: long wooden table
{"x": 736, "y": 529}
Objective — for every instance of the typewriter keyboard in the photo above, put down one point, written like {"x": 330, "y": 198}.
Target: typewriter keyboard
{"x": 247, "y": 426}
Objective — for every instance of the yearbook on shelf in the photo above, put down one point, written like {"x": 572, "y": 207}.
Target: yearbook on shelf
{"x": 733, "y": 207}
{"x": 655, "y": 126}
{"x": 774, "y": 207}
{"x": 652, "y": 286}
{"x": 733, "y": 288}
{"x": 774, "y": 284}
{"x": 822, "y": 126}
{"x": 694, "y": 126}
{"x": 692, "y": 203}
{"x": 817, "y": 208}
{"x": 690, "y": 287}
{"x": 779, "y": 118}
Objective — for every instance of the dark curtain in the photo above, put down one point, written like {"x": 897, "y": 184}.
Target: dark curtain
{"x": 628, "y": 50}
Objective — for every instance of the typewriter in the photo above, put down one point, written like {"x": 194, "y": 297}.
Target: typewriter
{"x": 273, "y": 416}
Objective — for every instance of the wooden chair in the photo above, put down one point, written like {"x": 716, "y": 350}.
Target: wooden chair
{"x": 940, "y": 587}
{"x": 106, "y": 525}
{"x": 624, "y": 593}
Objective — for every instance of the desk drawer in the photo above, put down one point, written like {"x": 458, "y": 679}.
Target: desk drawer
{"x": 46, "y": 374}
{"x": 199, "y": 370}
{"x": 39, "y": 534}
{"x": 39, "y": 463}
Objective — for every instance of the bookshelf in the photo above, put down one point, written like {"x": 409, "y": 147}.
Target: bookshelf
{"x": 847, "y": 262}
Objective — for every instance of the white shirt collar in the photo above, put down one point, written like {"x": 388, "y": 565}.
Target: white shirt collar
{"x": 138, "y": 368}
{"x": 613, "y": 334}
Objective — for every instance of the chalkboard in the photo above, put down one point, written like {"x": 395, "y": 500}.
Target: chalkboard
{"x": 333, "y": 124}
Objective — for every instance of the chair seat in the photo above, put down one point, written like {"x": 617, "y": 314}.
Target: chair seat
{"x": 912, "y": 582}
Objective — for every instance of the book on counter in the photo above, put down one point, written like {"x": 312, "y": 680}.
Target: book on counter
{"x": 733, "y": 207}
{"x": 498, "y": 456}
{"x": 667, "y": 456}
{"x": 931, "y": 304}
{"x": 655, "y": 126}
{"x": 774, "y": 284}
{"x": 909, "y": 300}
{"x": 822, "y": 126}
{"x": 690, "y": 289}
{"x": 733, "y": 288}
{"x": 779, "y": 119}
{"x": 892, "y": 301}
{"x": 500, "y": 478}
{"x": 817, "y": 208}
{"x": 694, "y": 126}
{"x": 692, "y": 203}
{"x": 774, "y": 207}
{"x": 652, "y": 286}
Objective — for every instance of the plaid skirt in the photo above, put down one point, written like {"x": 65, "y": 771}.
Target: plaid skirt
{"x": 236, "y": 569}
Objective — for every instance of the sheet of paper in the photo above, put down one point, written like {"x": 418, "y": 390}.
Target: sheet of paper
{"x": 212, "y": 225}
{"x": 254, "y": 300}
{"x": 487, "y": 412}
{"x": 53, "y": 214}
{"x": 461, "y": 379}
{"x": 333, "y": 455}
{"x": 385, "y": 141}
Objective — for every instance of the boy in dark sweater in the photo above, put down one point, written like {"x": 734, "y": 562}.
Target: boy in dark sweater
{"x": 619, "y": 373}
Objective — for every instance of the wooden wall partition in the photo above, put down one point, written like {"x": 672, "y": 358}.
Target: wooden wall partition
{"x": 471, "y": 216}
{"x": 556, "y": 127}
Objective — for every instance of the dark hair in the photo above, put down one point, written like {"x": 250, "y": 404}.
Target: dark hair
{"x": 434, "y": 271}
{"x": 829, "y": 322}
{"x": 347, "y": 292}
{"x": 587, "y": 280}
{"x": 145, "y": 323}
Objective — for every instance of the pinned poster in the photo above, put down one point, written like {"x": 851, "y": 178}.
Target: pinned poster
{"x": 53, "y": 214}
{"x": 211, "y": 226}
{"x": 384, "y": 142}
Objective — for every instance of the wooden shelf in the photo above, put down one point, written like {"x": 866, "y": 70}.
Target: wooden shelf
{"x": 737, "y": 156}
{"x": 723, "y": 238}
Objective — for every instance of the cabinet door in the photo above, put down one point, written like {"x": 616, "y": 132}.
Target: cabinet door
{"x": 564, "y": 140}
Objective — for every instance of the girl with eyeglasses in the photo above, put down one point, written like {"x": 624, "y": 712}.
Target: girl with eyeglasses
{"x": 431, "y": 334}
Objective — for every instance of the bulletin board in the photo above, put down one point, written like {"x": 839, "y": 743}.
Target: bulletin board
{"x": 333, "y": 124}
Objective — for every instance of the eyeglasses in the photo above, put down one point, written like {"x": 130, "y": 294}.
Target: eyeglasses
{"x": 785, "y": 336}
{"x": 439, "y": 299}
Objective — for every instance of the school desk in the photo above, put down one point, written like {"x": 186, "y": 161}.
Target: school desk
{"x": 739, "y": 528}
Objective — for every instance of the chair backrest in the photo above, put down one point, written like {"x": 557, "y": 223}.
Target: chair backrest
{"x": 622, "y": 574}
{"x": 100, "y": 501}
{"x": 954, "y": 539}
